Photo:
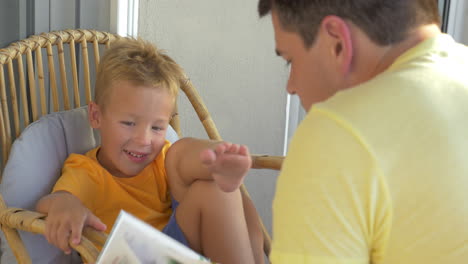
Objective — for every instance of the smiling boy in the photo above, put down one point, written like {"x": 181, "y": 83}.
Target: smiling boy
{"x": 188, "y": 190}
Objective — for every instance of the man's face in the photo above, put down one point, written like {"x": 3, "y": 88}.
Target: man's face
{"x": 312, "y": 76}
{"x": 133, "y": 127}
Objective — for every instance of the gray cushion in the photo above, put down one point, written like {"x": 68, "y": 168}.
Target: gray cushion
{"x": 34, "y": 166}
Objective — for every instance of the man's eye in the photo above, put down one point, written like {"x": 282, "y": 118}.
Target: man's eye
{"x": 128, "y": 123}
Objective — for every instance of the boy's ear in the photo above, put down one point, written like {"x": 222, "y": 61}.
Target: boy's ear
{"x": 94, "y": 115}
{"x": 341, "y": 44}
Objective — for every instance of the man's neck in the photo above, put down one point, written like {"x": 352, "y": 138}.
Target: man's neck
{"x": 416, "y": 36}
{"x": 376, "y": 59}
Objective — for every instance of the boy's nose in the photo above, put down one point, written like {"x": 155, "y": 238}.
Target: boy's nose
{"x": 143, "y": 137}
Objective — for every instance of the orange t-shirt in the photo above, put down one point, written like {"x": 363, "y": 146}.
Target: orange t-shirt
{"x": 146, "y": 195}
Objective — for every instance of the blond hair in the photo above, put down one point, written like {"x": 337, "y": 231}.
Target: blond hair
{"x": 139, "y": 62}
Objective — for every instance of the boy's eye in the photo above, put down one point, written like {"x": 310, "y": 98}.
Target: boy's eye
{"x": 156, "y": 128}
{"x": 128, "y": 123}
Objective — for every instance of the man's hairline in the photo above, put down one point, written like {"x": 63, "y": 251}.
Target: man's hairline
{"x": 291, "y": 29}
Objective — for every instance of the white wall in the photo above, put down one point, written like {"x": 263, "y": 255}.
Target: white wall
{"x": 458, "y": 21}
{"x": 228, "y": 52}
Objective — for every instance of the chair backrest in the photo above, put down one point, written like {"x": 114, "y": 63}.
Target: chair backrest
{"x": 31, "y": 86}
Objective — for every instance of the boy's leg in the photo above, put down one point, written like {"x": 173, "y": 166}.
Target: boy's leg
{"x": 216, "y": 224}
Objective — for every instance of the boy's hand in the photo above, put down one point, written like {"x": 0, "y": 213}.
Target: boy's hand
{"x": 66, "y": 218}
{"x": 228, "y": 163}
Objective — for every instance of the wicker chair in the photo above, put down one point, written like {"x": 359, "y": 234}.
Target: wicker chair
{"x": 21, "y": 107}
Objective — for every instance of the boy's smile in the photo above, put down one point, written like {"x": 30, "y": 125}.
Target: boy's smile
{"x": 136, "y": 156}
{"x": 133, "y": 124}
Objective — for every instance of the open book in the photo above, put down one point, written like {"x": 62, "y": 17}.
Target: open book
{"x": 134, "y": 241}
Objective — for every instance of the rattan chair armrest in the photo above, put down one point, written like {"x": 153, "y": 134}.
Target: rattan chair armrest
{"x": 34, "y": 222}
{"x": 97, "y": 237}
{"x": 267, "y": 162}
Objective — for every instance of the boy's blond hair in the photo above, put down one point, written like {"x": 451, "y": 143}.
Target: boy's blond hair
{"x": 139, "y": 62}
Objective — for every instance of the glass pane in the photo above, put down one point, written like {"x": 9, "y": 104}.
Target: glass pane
{"x": 441, "y": 7}
{"x": 444, "y": 8}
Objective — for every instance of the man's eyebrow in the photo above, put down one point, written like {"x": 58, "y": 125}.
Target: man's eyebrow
{"x": 278, "y": 52}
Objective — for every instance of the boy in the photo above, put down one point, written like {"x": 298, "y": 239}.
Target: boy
{"x": 135, "y": 167}
{"x": 377, "y": 171}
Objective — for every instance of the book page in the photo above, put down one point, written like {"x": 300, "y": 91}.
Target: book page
{"x": 134, "y": 241}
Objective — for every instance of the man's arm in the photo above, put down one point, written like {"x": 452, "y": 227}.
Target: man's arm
{"x": 331, "y": 205}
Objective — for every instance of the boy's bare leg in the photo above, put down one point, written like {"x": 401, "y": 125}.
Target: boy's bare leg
{"x": 215, "y": 224}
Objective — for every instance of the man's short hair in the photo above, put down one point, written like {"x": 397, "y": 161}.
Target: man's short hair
{"x": 384, "y": 21}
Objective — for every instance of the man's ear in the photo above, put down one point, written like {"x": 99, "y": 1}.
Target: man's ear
{"x": 94, "y": 115}
{"x": 341, "y": 44}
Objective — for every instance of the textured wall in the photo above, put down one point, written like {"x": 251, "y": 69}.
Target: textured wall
{"x": 228, "y": 52}
{"x": 9, "y": 22}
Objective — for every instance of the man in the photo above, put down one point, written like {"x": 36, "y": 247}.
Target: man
{"x": 377, "y": 172}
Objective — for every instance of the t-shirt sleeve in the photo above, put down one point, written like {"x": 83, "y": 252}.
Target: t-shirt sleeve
{"x": 331, "y": 204}
{"x": 161, "y": 159}
{"x": 79, "y": 177}
{"x": 161, "y": 173}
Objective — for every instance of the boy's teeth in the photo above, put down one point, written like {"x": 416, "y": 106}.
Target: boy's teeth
{"x": 134, "y": 155}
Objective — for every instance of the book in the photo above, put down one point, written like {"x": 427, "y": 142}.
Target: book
{"x": 133, "y": 241}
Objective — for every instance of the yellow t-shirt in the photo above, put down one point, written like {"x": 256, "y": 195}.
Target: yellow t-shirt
{"x": 146, "y": 195}
{"x": 379, "y": 172}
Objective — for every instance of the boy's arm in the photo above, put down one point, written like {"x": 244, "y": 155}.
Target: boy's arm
{"x": 66, "y": 217}
{"x": 191, "y": 159}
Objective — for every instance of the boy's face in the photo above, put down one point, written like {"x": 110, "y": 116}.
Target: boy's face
{"x": 312, "y": 75}
{"x": 133, "y": 127}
